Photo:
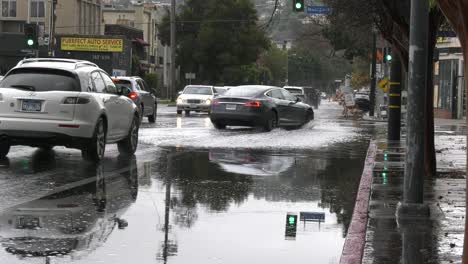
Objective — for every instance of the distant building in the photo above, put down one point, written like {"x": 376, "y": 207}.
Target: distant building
{"x": 449, "y": 92}
{"x": 72, "y": 17}
{"x": 144, "y": 17}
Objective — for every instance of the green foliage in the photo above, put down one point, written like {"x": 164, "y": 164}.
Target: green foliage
{"x": 136, "y": 65}
{"x": 360, "y": 74}
{"x": 274, "y": 62}
{"x": 218, "y": 40}
{"x": 152, "y": 80}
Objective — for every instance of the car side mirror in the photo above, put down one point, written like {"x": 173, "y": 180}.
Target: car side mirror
{"x": 180, "y": 92}
{"x": 153, "y": 91}
{"x": 298, "y": 99}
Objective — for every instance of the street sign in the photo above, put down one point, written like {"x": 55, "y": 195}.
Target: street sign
{"x": 349, "y": 99}
{"x": 384, "y": 84}
{"x": 190, "y": 76}
{"x": 312, "y": 216}
{"x": 318, "y": 10}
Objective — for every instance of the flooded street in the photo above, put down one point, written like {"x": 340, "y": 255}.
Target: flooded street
{"x": 191, "y": 194}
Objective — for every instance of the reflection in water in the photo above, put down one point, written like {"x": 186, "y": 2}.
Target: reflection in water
{"x": 216, "y": 181}
{"x": 76, "y": 220}
{"x": 179, "y": 122}
{"x": 250, "y": 163}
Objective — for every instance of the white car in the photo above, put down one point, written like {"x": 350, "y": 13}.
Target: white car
{"x": 296, "y": 91}
{"x": 195, "y": 98}
{"x": 61, "y": 102}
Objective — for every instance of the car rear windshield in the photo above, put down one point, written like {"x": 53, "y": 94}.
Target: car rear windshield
{"x": 41, "y": 80}
{"x": 198, "y": 90}
{"x": 123, "y": 84}
{"x": 220, "y": 91}
{"x": 245, "y": 91}
{"x": 294, "y": 91}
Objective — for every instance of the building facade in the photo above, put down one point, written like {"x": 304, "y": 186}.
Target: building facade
{"x": 449, "y": 92}
{"x": 144, "y": 17}
{"x": 71, "y": 17}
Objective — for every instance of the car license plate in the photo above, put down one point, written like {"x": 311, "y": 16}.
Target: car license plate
{"x": 31, "y": 106}
{"x": 231, "y": 107}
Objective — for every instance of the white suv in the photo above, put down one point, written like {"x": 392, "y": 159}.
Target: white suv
{"x": 61, "y": 102}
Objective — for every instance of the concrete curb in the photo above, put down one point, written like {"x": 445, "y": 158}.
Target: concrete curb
{"x": 353, "y": 249}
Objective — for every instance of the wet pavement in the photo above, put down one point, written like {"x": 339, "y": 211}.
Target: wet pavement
{"x": 437, "y": 239}
{"x": 191, "y": 194}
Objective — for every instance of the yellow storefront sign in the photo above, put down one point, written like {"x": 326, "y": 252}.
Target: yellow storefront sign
{"x": 91, "y": 44}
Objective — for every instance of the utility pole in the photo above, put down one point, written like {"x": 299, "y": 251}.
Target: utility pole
{"x": 285, "y": 48}
{"x": 373, "y": 73}
{"x": 173, "y": 50}
{"x": 394, "y": 104}
{"x": 413, "y": 190}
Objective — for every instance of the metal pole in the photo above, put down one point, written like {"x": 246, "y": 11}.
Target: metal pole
{"x": 373, "y": 74}
{"x": 394, "y": 104}
{"x": 29, "y": 12}
{"x": 173, "y": 50}
{"x": 51, "y": 16}
{"x": 414, "y": 167}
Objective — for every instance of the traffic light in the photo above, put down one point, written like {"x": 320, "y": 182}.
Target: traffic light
{"x": 30, "y": 32}
{"x": 387, "y": 54}
{"x": 298, "y": 5}
{"x": 291, "y": 224}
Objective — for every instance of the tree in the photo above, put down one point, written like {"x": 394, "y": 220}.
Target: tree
{"x": 456, "y": 12}
{"x": 360, "y": 76}
{"x": 218, "y": 40}
{"x": 274, "y": 59}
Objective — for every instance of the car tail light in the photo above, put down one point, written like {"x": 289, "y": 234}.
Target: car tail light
{"x": 76, "y": 100}
{"x": 133, "y": 96}
{"x": 254, "y": 104}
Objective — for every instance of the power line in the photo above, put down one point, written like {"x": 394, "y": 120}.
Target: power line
{"x": 188, "y": 21}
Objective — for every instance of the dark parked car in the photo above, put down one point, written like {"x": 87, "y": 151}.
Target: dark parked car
{"x": 362, "y": 101}
{"x": 143, "y": 96}
{"x": 259, "y": 106}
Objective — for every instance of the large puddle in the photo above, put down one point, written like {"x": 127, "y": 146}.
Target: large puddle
{"x": 189, "y": 206}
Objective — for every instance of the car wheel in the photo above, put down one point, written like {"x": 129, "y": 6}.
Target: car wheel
{"x": 218, "y": 125}
{"x": 309, "y": 116}
{"x": 97, "y": 147}
{"x": 187, "y": 112}
{"x": 129, "y": 145}
{"x": 152, "y": 118}
{"x": 272, "y": 122}
{"x": 4, "y": 148}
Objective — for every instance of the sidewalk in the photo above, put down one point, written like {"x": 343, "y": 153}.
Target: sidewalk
{"x": 382, "y": 240}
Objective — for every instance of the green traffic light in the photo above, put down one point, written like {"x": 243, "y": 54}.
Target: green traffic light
{"x": 389, "y": 57}
{"x": 291, "y": 220}
{"x": 385, "y": 157}
{"x": 30, "y": 42}
{"x": 298, "y": 5}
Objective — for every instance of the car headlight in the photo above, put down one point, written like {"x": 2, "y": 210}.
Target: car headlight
{"x": 179, "y": 100}
{"x": 208, "y": 101}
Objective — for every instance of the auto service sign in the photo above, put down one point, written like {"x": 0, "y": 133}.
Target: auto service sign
{"x": 91, "y": 44}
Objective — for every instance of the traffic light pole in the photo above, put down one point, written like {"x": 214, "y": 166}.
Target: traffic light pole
{"x": 412, "y": 205}
{"x": 373, "y": 74}
{"x": 394, "y": 104}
